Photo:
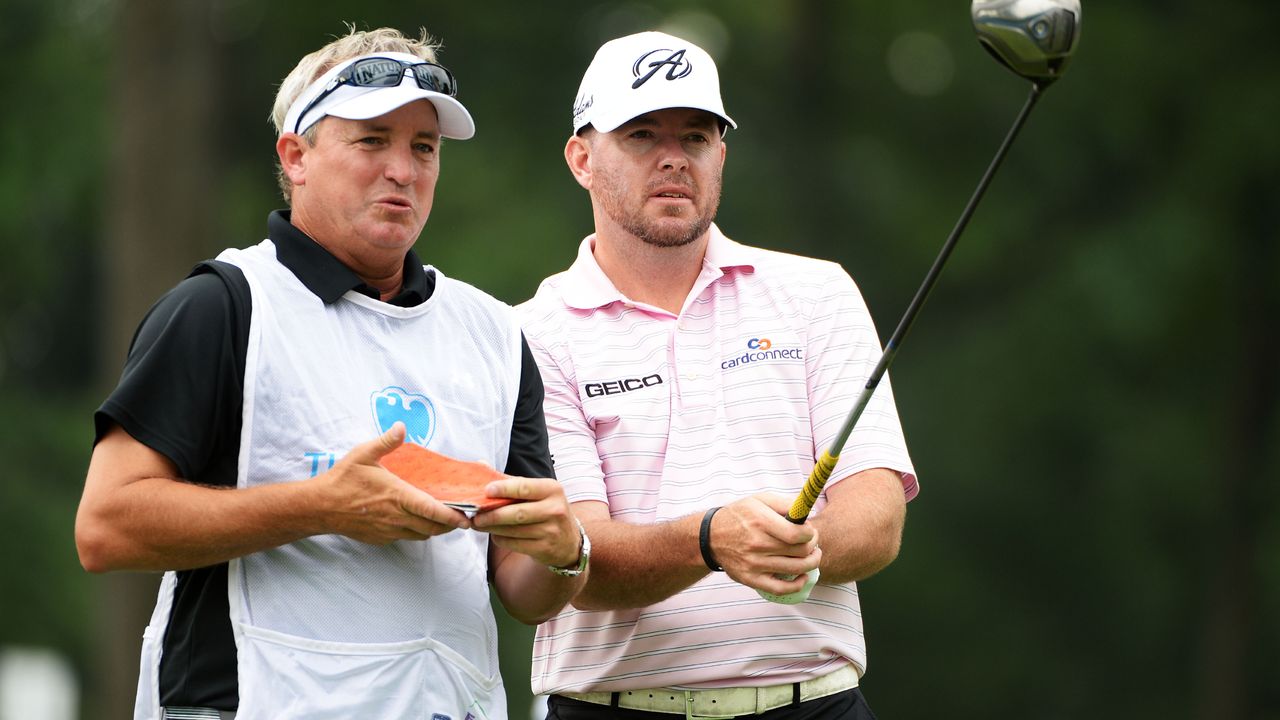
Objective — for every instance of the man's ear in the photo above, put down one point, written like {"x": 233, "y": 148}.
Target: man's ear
{"x": 291, "y": 148}
{"x": 577, "y": 154}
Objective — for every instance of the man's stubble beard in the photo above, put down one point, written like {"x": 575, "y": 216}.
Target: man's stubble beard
{"x": 649, "y": 231}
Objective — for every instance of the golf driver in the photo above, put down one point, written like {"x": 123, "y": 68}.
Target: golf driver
{"x": 1035, "y": 39}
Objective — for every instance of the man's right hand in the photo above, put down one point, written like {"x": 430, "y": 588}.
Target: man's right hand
{"x": 755, "y": 544}
{"x": 364, "y": 501}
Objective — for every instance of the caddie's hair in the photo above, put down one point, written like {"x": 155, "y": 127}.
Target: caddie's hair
{"x": 354, "y": 44}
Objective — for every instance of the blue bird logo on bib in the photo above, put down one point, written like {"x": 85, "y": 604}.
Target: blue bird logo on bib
{"x": 395, "y": 404}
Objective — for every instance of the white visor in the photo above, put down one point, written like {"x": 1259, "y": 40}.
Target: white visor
{"x": 363, "y": 103}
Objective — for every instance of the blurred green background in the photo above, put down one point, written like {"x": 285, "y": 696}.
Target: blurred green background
{"x": 1090, "y": 398}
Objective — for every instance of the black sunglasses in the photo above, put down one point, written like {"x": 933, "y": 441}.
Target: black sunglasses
{"x": 387, "y": 72}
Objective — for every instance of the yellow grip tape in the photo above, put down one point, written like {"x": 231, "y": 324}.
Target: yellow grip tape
{"x": 812, "y": 487}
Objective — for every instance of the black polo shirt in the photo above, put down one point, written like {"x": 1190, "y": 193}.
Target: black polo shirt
{"x": 181, "y": 394}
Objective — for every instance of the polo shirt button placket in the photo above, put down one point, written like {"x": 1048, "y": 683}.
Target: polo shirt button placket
{"x": 689, "y": 358}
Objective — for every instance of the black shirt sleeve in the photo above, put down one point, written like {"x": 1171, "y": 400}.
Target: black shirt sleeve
{"x": 530, "y": 455}
{"x": 180, "y": 394}
{"x": 181, "y": 389}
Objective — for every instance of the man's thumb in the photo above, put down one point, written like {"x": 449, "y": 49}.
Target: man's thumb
{"x": 388, "y": 441}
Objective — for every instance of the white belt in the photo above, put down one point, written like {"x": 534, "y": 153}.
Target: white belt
{"x": 724, "y": 702}
{"x": 196, "y": 713}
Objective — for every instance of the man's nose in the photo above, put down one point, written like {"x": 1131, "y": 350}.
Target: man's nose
{"x": 673, "y": 156}
{"x": 401, "y": 167}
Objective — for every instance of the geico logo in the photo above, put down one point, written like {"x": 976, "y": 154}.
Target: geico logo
{"x": 613, "y": 387}
{"x": 759, "y": 344}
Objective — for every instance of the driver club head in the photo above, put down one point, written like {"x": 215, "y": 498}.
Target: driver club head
{"x": 1033, "y": 38}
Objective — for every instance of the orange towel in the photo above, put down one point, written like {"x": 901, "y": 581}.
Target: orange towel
{"x": 456, "y": 483}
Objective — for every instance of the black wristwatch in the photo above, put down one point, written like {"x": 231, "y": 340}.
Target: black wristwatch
{"x": 584, "y": 555}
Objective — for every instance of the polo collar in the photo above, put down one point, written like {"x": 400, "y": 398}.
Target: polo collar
{"x": 326, "y": 276}
{"x": 589, "y": 288}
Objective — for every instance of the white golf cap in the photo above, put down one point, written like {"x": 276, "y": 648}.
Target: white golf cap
{"x": 353, "y": 102}
{"x": 640, "y": 73}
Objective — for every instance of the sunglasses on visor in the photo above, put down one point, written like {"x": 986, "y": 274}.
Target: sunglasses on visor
{"x": 376, "y": 72}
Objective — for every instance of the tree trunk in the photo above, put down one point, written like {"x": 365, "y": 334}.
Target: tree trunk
{"x": 1233, "y": 685}
{"x": 159, "y": 221}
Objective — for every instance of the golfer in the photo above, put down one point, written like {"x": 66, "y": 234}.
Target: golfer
{"x": 691, "y": 382}
{"x": 239, "y": 453}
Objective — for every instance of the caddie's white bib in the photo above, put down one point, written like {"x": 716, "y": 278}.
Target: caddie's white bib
{"x": 329, "y": 627}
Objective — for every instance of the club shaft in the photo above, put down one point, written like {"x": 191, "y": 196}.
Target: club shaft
{"x": 822, "y": 469}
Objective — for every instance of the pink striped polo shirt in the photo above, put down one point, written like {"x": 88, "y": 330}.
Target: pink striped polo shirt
{"x": 661, "y": 416}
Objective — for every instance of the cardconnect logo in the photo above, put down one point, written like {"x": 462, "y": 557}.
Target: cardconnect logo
{"x": 759, "y": 349}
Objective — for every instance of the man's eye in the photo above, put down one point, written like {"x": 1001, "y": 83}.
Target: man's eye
{"x": 424, "y": 148}
{"x": 371, "y": 140}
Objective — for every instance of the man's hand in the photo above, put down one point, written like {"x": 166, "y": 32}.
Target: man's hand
{"x": 755, "y": 543}
{"x": 541, "y": 527}
{"x": 364, "y": 501}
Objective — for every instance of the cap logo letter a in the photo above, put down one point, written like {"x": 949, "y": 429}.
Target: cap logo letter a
{"x": 679, "y": 66}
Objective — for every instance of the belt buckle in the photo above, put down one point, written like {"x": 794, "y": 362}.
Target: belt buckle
{"x": 688, "y": 708}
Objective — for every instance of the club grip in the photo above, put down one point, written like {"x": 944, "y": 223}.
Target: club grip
{"x": 812, "y": 487}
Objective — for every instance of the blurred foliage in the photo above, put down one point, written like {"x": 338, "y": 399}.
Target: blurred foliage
{"x": 1090, "y": 398}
